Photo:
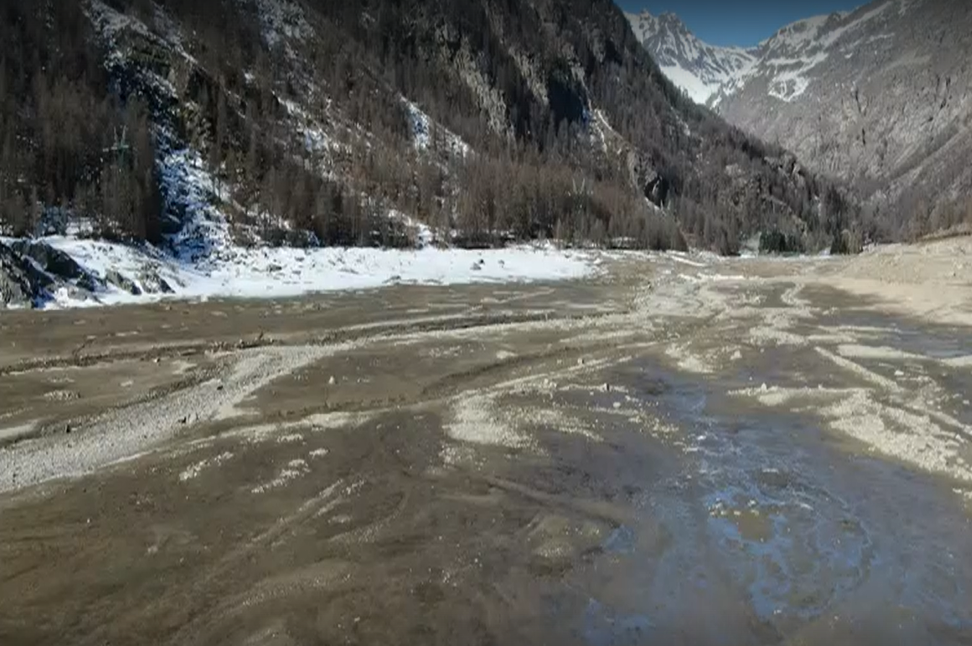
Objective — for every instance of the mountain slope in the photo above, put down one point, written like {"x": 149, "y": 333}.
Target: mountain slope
{"x": 881, "y": 96}
{"x": 698, "y": 68}
{"x": 242, "y": 123}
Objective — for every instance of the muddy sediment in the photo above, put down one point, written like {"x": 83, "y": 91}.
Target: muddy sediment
{"x": 585, "y": 463}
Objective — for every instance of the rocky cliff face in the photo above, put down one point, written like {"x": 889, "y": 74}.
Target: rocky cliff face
{"x": 881, "y": 96}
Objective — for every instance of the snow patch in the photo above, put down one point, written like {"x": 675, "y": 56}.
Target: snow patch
{"x": 282, "y": 19}
{"x": 266, "y": 272}
{"x": 832, "y": 36}
{"x": 315, "y": 139}
{"x": 696, "y": 89}
{"x": 424, "y": 132}
{"x": 421, "y": 130}
{"x": 110, "y": 22}
{"x": 790, "y": 84}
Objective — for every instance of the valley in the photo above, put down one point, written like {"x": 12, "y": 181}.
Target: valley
{"x": 879, "y": 96}
{"x": 782, "y": 441}
{"x": 491, "y": 322}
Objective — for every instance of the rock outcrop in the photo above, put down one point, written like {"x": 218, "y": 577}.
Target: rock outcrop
{"x": 22, "y": 284}
{"x": 122, "y": 282}
{"x": 32, "y": 273}
{"x": 56, "y": 263}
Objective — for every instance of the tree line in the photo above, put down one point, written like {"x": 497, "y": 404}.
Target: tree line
{"x": 77, "y": 137}
{"x": 66, "y": 141}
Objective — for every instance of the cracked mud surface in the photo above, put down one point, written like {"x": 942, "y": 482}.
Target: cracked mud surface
{"x": 782, "y": 444}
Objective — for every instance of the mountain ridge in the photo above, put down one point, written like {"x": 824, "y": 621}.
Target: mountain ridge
{"x": 692, "y": 61}
{"x": 695, "y": 66}
{"x": 879, "y": 97}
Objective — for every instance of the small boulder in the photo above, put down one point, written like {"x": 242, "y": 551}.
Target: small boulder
{"x": 53, "y": 261}
{"x": 21, "y": 282}
{"x": 14, "y": 290}
{"x": 59, "y": 265}
{"x": 89, "y": 282}
{"x": 777, "y": 242}
{"x": 170, "y": 225}
{"x": 114, "y": 277}
{"x": 152, "y": 283}
{"x": 81, "y": 294}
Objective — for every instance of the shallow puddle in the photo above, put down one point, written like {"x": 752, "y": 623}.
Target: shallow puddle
{"x": 779, "y": 533}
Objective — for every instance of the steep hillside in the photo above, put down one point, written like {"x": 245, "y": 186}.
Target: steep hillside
{"x": 881, "y": 97}
{"x": 202, "y": 127}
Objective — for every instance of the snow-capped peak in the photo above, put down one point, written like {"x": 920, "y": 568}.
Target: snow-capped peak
{"x": 709, "y": 73}
{"x": 697, "y": 67}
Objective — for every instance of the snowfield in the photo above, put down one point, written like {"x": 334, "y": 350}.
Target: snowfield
{"x": 265, "y": 272}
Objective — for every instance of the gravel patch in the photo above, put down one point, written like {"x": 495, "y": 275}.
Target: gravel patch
{"x": 475, "y": 421}
{"x": 192, "y": 471}
{"x": 859, "y": 370}
{"x": 855, "y": 351}
{"x": 129, "y": 431}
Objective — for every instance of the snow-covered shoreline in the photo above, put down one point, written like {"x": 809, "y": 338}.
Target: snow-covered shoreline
{"x": 279, "y": 272}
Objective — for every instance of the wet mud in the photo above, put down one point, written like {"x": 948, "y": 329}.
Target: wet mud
{"x": 646, "y": 458}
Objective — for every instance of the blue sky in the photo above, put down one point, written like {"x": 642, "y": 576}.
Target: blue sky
{"x": 739, "y": 22}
